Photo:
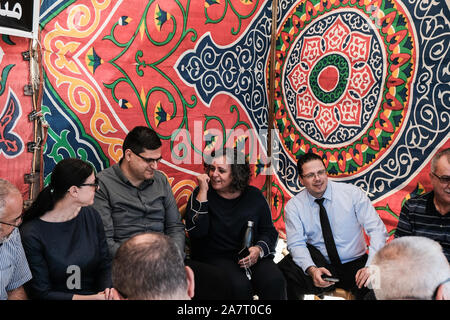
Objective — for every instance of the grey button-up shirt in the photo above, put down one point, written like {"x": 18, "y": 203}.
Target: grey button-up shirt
{"x": 127, "y": 210}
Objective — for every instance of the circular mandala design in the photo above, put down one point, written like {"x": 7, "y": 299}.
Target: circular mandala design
{"x": 342, "y": 81}
{"x": 339, "y": 115}
{"x": 333, "y": 70}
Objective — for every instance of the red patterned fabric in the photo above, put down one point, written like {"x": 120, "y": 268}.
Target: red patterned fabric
{"x": 15, "y": 128}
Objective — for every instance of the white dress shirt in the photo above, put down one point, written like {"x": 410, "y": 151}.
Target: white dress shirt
{"x": 349, "y": 212}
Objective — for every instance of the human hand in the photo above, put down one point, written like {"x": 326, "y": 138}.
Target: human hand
{"x": 251, "y": 259}
{"x": 362, "y": 277}
{"x": 116, "y": 295}
{"x": 203, "y": 186}
{"x": 316, "y": 275}
{"x": 98, "y": 296}
{"x": 203, "y": 182}
{"x": 108, "y": 294}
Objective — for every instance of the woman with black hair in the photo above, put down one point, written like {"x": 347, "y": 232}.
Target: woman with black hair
{"x": 64, "y": 238}
{"x": 217, "y": 216}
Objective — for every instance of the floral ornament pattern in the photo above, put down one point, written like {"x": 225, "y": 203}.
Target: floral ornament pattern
{"x": 11, "y": 144}
{"x": 382, "y": 142}
{"x": 332, "y": 79}
{"x": 112, "y": 65}
{"x": 343, "y": 77}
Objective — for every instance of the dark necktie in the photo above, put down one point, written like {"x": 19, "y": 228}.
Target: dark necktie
{"x": 328, "y": 234}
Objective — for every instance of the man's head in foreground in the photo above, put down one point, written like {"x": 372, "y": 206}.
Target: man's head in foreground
{"x": 149, "y": 266}
{"x": 411, "y": 268}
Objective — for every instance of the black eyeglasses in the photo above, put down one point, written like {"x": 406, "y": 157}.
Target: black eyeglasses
{"x": 148, "y": 160}
{"x": 95, "y": 184}
{"x": 17, "y": 222}
{"x": 311, "y": 175}
{"x": 442, "y": 179}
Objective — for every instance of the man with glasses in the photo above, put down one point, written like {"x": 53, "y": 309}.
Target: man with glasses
{"x": 428, "y": 215}
{"x": 134, "y": 197}
{"x": 324, "y": 229}
{"x": 411, "y": 268}
{"x": 14, "y": 270}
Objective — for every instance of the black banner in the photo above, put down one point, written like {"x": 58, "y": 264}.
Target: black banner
{"x": 19, "y": 17}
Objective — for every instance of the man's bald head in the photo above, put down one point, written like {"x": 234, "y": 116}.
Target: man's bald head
{"x": 149, "y": 266}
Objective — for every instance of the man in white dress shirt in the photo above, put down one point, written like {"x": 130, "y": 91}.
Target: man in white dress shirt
{"x": 349, "y": 212}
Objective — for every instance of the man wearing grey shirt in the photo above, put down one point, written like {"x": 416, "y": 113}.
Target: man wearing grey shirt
{"x": 134, "y": 197}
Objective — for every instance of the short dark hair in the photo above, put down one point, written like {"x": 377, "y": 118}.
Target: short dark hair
{"x": 140, "y": 138}
{"x": 240, "y": 168}
{"x": 149, "y": 266}
{"x": 307, "y": 157}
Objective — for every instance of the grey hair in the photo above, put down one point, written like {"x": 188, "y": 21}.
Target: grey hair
{"x": 6, "y": 188}
{"x": 409, "y": 267}
{"x": 438, "y": 156}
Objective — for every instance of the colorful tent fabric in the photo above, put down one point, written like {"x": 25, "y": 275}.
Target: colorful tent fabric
{"x": 363, "y": 83}
{"x": 16, "y": 131}
{"x": 168, "y": 65}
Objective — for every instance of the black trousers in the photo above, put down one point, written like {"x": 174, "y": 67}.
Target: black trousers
{"x": 209, "y": 282}
{"x": 267, "y": 281}
{"x": 299, "y": 283}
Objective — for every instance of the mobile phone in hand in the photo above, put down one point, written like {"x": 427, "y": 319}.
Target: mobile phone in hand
{"x": 330, "y": 279}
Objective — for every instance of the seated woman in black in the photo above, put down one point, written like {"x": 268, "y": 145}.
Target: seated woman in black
{"x": 64, "y": 238}
{"x": 217, "y": 215}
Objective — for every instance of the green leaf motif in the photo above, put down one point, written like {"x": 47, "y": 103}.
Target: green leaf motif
{"x": 5, "y": 73}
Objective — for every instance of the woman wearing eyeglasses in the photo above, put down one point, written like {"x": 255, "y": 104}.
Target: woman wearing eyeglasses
{"x": 64, "y": 238}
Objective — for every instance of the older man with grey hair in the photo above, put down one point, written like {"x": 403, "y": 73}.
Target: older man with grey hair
{"x": 411, "y": 268}
{"x": 427, "y": 215}
{"x": 14, "y": 270}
